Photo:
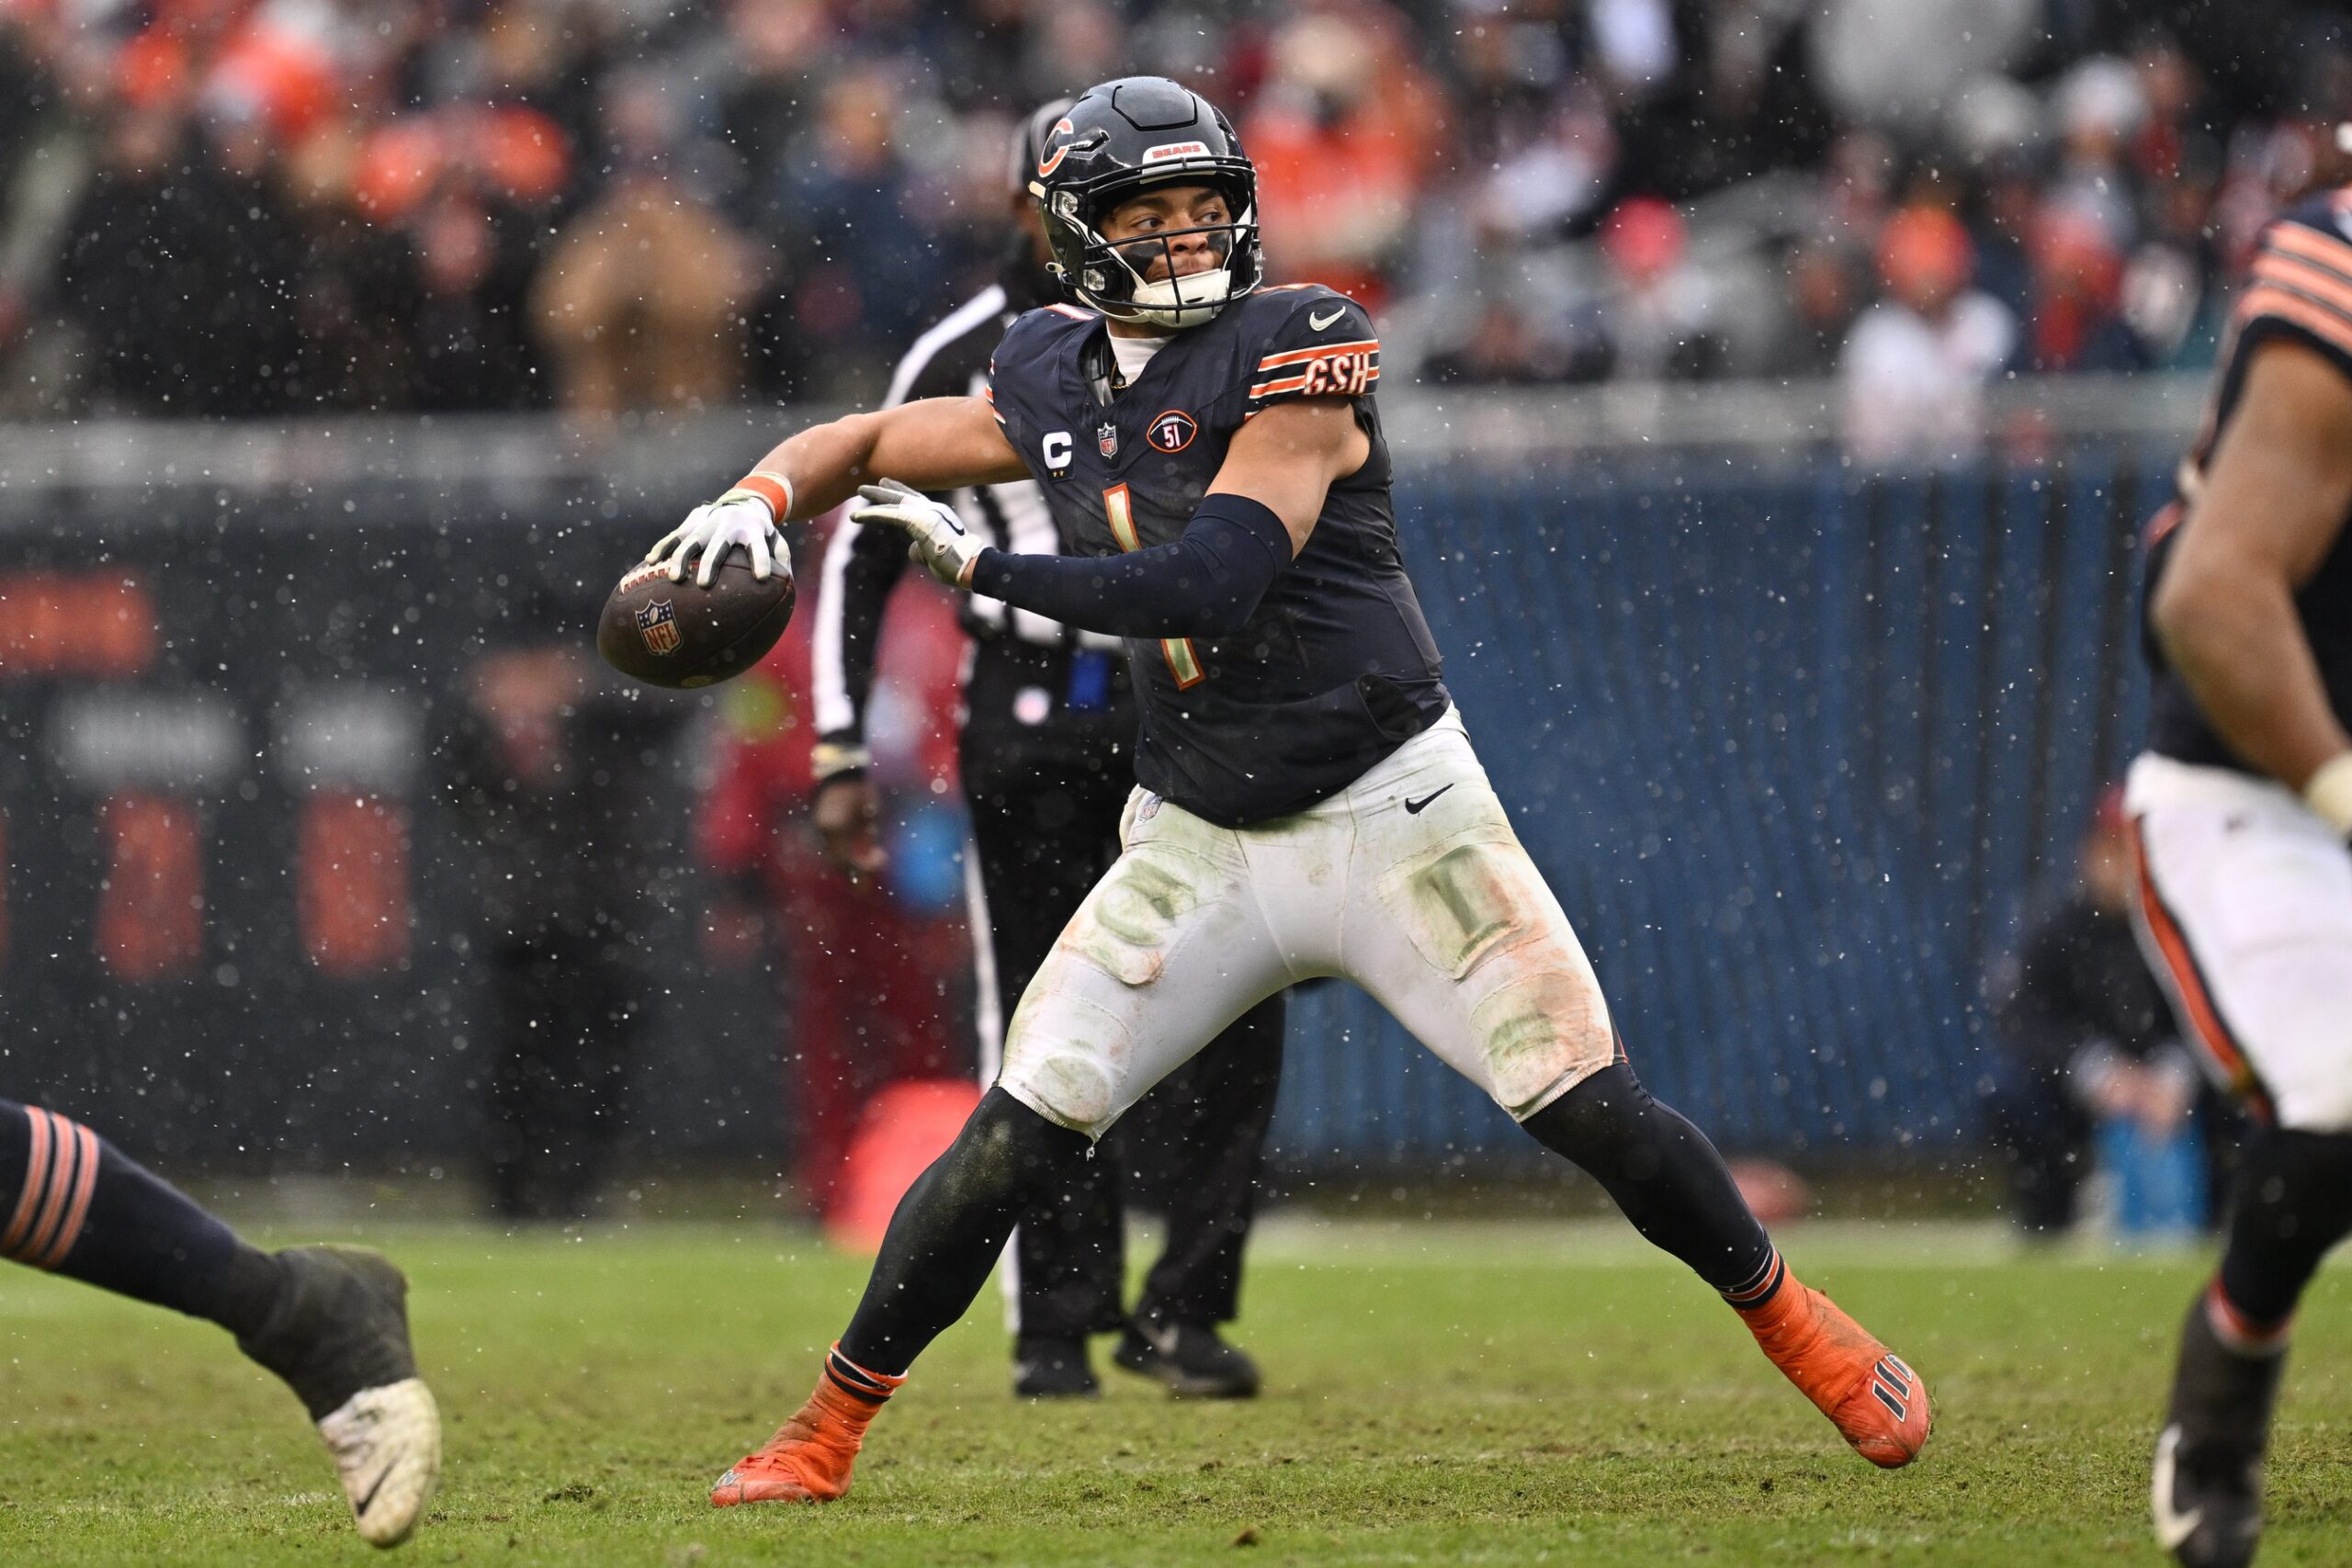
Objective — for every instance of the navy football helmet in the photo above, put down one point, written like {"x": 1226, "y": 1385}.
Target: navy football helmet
{"x": 1117, "y": 141}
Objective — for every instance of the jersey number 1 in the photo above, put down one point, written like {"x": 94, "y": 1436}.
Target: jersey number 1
{"x": 1182, "y": 662}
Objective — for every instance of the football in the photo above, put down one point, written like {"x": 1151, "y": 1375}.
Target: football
{"x": 683, "y": 636}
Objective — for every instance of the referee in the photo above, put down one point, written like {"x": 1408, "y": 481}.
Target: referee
{"x": 1048, "y": 728}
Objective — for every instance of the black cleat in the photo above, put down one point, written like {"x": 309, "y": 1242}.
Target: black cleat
{"x": 1048, "y": 1366}
{"x": 1189, "y": 1358}
{"x": 339, "y": 1337}
{"x": 2207, "y": 1493}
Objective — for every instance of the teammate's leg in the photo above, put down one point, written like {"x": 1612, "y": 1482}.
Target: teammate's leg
{"x": 1043, "y": 835}
{"x": 2294, "y": 1204}
{"x": 1452, "y": 929}
{"x": 2246, "y": 912}
{"x": 330, "y": 1321}
{"x": 1166, "y": 952}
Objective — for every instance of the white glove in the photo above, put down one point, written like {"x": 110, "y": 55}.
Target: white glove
{"x": 2329, "y": 792}
{"x": 941, "y": 540}
{"x": 716, "y": 527}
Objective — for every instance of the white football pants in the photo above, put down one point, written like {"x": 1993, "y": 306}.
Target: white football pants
{"x": 2245, "y": 911}
{"x": 1409, "y": 882}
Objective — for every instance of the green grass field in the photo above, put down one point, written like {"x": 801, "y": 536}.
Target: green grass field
{"x": 1439, "y": 1392}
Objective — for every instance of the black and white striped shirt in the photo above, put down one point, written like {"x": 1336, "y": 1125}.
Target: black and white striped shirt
{"x": 863, "y": 565}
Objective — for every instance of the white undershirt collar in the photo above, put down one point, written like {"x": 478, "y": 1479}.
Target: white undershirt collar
{"x": 1132, "y": 354}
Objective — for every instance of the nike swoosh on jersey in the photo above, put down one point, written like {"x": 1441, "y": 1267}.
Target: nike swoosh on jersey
{"x": 1413, "y": 807}
{"x": 1320, "y": 323}
{"x": 2172, "y": 1528}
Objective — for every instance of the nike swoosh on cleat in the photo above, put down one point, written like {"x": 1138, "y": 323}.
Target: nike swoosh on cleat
{"x": 2172, "y": 1528}
{"x": 1320, "y": 323}
{"x": 360, "y": 1509}
{"x": 1413, "y": 807}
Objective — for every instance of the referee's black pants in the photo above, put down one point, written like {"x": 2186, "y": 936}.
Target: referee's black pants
{"x": 1045, "y": 827}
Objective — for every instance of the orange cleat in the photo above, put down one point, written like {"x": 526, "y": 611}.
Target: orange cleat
{"x": 1877, "y": 1404}
{"x": 809, "y": 1458}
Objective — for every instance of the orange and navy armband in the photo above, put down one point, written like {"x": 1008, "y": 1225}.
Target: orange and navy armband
{"x": 767, "y": 486}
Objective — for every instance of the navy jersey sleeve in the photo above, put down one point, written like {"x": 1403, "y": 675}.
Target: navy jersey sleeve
{"x": 2300, "y": 282}
{"x": 1019, "y": 373}
{"x": 1321, "y": 345}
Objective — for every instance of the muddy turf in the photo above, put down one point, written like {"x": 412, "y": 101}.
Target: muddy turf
{"x": 1437, "y": 1393}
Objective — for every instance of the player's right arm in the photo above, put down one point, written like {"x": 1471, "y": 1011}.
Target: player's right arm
{"x": 937, "y": 444}
{"x": 2272, "y": 507}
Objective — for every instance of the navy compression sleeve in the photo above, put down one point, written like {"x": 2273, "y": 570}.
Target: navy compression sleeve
{"x": 1207, "y": 583}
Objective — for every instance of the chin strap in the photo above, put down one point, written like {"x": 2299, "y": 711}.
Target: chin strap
{"x": 1167, "y": 303}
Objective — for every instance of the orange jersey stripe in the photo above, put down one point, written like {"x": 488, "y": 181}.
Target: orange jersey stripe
{"x": 2268, "y": 299}
{"x": 1293, "y": 383}
{"x": 36, "y": 1179}
{"x": 85, "y": 1184}
{"x": 2301, "y": 277}
{"x": 2311, "y": 245}
{"x": 2183, "y": 979}
{"x": 1368, "y": 346}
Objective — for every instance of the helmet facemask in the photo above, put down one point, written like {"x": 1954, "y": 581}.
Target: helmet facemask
{"x": 1115, "y": 277}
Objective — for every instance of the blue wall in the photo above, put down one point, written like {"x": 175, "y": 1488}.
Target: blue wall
{"x": 1793, "y": 746}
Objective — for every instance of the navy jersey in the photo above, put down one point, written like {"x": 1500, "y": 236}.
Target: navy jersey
{"x": 1336, "y": 668}
{"x": 2300, "y": 289}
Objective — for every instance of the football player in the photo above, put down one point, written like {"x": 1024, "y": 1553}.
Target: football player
{"x": 330, "y": 1321}
{"x": 2241, "y": 807}
{"x": 1048, "y": 720}
{"x": 1309, "y": 803}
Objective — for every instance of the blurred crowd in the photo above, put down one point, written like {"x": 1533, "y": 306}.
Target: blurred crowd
{"x": 251, "y": 207}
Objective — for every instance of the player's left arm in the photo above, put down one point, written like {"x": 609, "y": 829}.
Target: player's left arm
{"x": 1287, "y": 457}
{"x": 1256, "y": 518}
{"x": 2273, "y": 505}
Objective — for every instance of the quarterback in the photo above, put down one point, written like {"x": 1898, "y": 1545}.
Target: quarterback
{"x": 1308, "y": 801}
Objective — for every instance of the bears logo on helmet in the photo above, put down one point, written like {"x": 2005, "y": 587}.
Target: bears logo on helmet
{"x": 1054, "y": 160}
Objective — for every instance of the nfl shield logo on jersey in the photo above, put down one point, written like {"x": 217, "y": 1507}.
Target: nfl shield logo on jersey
{"x": 657, "y": 625}
{"x": 1106, "y": 439}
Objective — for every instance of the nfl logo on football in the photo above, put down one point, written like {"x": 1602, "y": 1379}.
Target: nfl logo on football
{"x": 657, "y": 625}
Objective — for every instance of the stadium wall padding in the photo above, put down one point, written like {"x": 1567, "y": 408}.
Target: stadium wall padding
{"x": 1794, "y": 744}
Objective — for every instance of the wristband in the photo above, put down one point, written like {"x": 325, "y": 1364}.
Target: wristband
{"x": 2329, "y": 792}
{"x": 772, "y": 489}
{"x": 830, "y": 758}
